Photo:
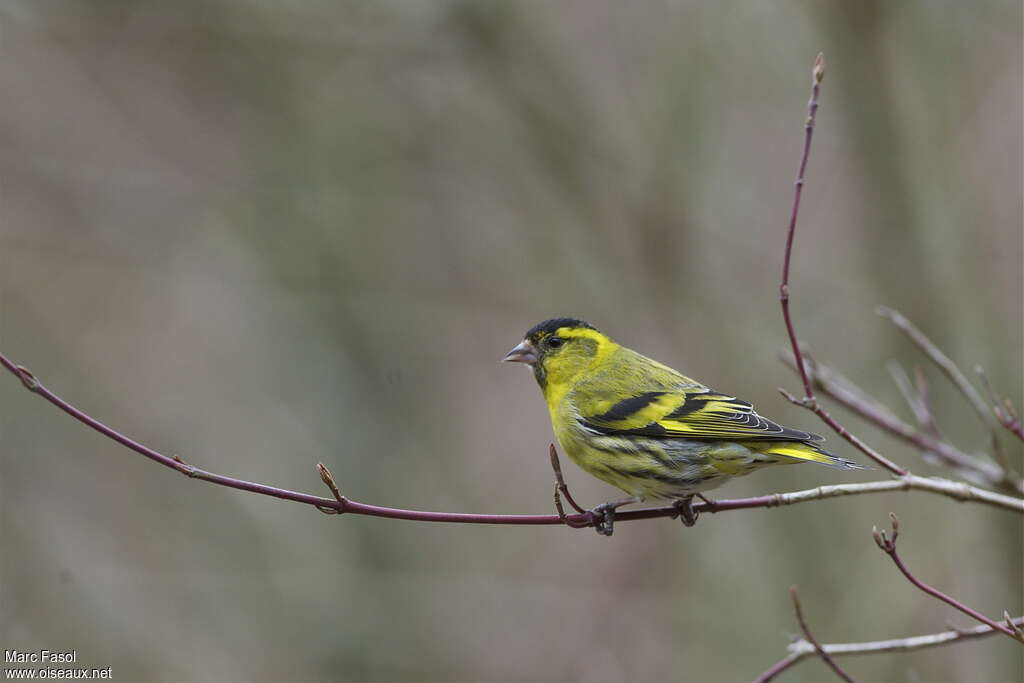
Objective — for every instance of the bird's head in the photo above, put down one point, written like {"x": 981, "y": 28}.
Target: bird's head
{"x": 560, "y": 349}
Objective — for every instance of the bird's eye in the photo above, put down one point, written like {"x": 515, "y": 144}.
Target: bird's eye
{"x": 555, "y": 342}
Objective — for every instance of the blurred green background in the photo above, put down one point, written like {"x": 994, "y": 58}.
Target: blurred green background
{"x": 259, "y": 235}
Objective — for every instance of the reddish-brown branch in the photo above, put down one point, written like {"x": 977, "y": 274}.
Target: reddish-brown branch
{"x": 825, "y": 656}
{"x": 816, "y": 408}
{"x": 778, "y": 667}
{"x": 341, "y": 504}
{"x": 888, "y": 546}
{"x": 817, "y": 74}
{"x": 809, "y": 400}
{"x": 561, "y": 489}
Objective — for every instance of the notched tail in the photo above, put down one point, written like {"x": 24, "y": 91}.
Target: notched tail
{"x": 814, "y": 453}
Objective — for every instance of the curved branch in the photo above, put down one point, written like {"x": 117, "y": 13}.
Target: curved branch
{"x": 809, "y": 401}
{"x": 817, "y": 74}
{"x": 888, "y": 546}
{"x": 340, "y": 504}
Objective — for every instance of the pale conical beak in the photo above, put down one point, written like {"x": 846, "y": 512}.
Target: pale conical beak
{"x": 524, "y": 353}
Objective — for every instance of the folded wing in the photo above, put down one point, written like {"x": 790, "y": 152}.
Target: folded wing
{"x": 693, "y": 414}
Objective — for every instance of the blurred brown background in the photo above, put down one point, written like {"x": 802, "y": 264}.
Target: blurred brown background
{"x": 259, "y": 235}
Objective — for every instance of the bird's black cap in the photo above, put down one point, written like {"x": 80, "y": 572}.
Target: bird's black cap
{"x": 551, "y": 326}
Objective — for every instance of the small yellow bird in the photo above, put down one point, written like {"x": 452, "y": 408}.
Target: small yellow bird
{"x": 646, "y": 429}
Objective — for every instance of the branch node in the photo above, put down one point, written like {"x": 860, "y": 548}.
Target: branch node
{"x": 186, "y": 469}
{"x": 808, "y": 402}
{"x": 328, "y": 479}
{"x": 28, "y": 380}
{"x": 1017, "y": 631}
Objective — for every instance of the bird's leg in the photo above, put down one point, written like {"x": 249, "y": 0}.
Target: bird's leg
{"x": 687, "y": 514}
{"x": 605, "y": 514}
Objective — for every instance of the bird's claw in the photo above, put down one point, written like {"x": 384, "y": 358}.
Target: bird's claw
{"x": 604, "y": 518}
{"x": 687, "y": 515}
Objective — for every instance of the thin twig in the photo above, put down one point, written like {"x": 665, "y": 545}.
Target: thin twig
{"x": 888, "y": 546}
{"x": 561, "y": 489}
{"x": 817, "y": 74}
{"x": 927, "y": 419}
{"x": 802, "y": 649}
{"x": 778, "y": 667}
{"x": 816, "y": 408}
{"x": 957, "y": 377}
{"x": 1006, "y": 415}
{"x": 941, "y": 360}
{"x": 837, "y": 387}
{"x": 915, "y": 393}
{"x": 1011, "y": 420}
{"x": 909, "y": 482}
{"x": 950, "y": 489}
{"x": 1013, "y": 625}
{"x": 1002, "y": 408}
{"x": 825, "y": 657}
{"x": 809, "y": 400}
